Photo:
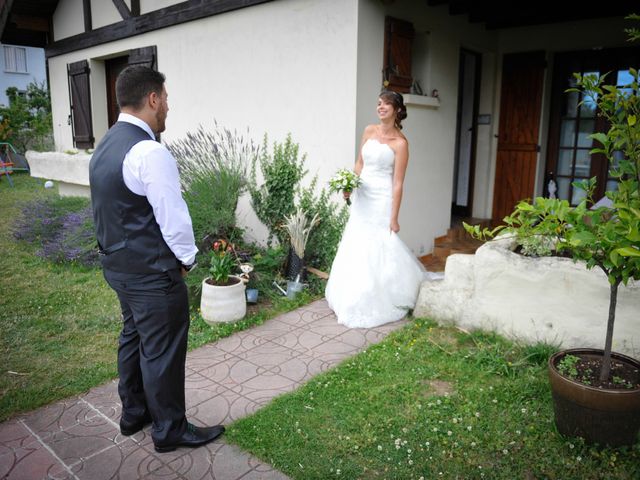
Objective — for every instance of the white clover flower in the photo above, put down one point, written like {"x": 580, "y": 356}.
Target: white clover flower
{"x": 379, "y": 447}
{"x": 473, "y": 444}
{"x": 469, "y": 427}
{"x": 579, "y": 458}
{"x": 449, "y": 432}
{"x": 505, "y": 451}
{"x": 410, "y": 462}
{"x": 455, "y": 420}
{"x": 571, "y": 446}
{"x": 477, "y": 414}
{"x": 524, "y": 410}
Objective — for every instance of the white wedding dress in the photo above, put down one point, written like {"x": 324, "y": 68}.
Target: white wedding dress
{"x": 374, "y": 278}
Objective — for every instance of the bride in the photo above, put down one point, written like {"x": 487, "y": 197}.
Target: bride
{"x": 375, "y": 278}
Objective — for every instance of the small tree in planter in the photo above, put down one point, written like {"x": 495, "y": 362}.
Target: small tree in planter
{"x": 607, "y": 237}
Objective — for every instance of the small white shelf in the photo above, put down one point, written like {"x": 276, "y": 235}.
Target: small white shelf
{"x": 421, "y": 101}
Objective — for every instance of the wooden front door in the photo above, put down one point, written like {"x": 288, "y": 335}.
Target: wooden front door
{"x": 520, "y": 104}
{"x": 113, "y": 67}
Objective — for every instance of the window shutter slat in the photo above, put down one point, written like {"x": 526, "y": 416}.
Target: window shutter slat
{"x": 144, "y": 56}
{"x": 80, "y": 96}
{"x": 399, "y": 36}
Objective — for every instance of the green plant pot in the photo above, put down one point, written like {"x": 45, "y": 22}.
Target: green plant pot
{"x": 602, "y": 416}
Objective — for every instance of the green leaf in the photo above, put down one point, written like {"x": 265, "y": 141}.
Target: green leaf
{"x": 631, "y": 120}
{"x": 628, "y": 251}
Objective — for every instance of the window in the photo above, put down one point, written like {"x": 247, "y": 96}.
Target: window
{"x": 15, "y": 59}
{"x": 574, "y": 118}
{"x": 398, "y": 40}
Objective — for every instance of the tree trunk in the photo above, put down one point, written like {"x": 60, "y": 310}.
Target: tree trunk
{"x": 606, "y": 360}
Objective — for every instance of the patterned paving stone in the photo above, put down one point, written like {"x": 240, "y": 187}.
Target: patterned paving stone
{"x": 79, "y": 438}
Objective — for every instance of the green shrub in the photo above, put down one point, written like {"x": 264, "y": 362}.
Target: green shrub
{"x": 325, "y": 236}
{"x": 213, "y": 171}
{"x": 26, "y": 122}
{"x": 282, "y": 171}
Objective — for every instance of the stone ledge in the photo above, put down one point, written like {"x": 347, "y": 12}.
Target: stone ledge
{"x": 71, "y": 171}
{"x": 547, "y": 299}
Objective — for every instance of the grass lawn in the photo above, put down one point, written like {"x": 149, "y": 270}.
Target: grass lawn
{"x": 428, "y": 402}
{"x": 59, "y": 324}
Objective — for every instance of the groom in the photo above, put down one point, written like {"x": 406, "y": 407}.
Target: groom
{"x": 146, "y": 244}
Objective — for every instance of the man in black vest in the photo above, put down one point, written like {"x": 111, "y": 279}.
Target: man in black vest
{"x": 147, "y": 245}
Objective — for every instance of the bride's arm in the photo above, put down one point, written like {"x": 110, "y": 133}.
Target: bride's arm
{"x": 359, "y": 163}
{"x": 399, "y": 170}
{"x": 369, "y": 131}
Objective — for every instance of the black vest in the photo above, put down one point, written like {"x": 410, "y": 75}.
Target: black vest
{"x": 129, "y": 237}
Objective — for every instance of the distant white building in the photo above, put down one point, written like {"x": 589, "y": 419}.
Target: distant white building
{"x": 19, "y": 66}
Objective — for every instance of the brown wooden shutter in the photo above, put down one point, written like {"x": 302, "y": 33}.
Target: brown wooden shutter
{"x": 144, "y": 56}
{"x": 520, "y": 104}
{"x": 398, "y": 40}
{"x": 80, "y": 97}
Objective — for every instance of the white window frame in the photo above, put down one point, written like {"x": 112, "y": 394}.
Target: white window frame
{"x": 15, "y": 59}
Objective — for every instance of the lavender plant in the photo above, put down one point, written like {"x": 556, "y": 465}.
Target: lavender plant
{"x": 61, "y": 230}
{"x": 213, "y": 171}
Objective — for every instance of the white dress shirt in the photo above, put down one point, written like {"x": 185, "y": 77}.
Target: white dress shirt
{"x": 150, "y": 170}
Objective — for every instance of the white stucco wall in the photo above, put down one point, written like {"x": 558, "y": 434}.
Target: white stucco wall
{"x": 104, "y": 13}
{"x": 36, "y": 71}
{"x": 284, "y": 66}
{"x": 68, "y": 19}
{"x": 313, "y": 68}
{"x": 546, "y": 299}
{"x": 426, "y": 205}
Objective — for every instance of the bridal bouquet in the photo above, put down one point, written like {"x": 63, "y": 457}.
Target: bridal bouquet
{"x": 344, "y": 181}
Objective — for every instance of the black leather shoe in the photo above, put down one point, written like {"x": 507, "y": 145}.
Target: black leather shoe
{"x": 193, "y": 437}
{"x": 129, "y": 428}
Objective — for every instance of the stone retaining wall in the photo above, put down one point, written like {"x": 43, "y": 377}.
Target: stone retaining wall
{"x": 547, "y": 299}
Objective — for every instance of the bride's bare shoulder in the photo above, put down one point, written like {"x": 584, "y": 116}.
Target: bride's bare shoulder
{"x": 369, "y": 131}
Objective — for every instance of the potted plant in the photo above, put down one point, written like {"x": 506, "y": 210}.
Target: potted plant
{"x": 596, "y": 392}
{"x": 298, "y": 227}
{"x": 223, "y": 294}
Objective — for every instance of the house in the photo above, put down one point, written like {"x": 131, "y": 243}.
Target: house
{"x": 19, "y": 67}
{"x": 489, "y": 119}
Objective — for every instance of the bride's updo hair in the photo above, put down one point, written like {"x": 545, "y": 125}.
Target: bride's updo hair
{"x": 395, "y": 99}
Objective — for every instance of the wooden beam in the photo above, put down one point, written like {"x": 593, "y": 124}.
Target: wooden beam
{"x": 29, "y": 22}
{"x": 135, "y": 8}
{"x": 155, "y": 20}
{"x": 86, "y": 10}
{"x": 122, "y": 8}
{"x": 5, "y": 9}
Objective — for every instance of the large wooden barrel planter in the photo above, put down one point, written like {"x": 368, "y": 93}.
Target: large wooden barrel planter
{"x": 600, "y": 416}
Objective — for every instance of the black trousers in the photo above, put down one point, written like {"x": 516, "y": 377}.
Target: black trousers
{"x": 152, "y": 349}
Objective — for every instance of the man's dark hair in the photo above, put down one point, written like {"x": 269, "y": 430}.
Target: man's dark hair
{"x": 136, "y": 82}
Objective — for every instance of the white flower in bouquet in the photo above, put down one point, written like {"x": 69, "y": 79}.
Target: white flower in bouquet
{"x": 344, "y": 181}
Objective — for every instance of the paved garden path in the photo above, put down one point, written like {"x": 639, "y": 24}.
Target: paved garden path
{"x": 79, "y": 438}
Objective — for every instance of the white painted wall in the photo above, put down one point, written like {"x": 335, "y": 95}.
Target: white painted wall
{"x": 147, "y": 6}
{"x": 36, "y": 71}
{"x": 426, "y": 205}
{"x": 68, "y": 19}
{"x": 104, "y": 13}
{"x": 284, "y": 66}
{"x": 313, "y": 68}
{"x": 546, "y": 299}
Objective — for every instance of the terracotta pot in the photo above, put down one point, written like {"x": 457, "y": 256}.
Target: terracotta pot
{"x": 603, "y": 416}
{"x": 223, "y": 303}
